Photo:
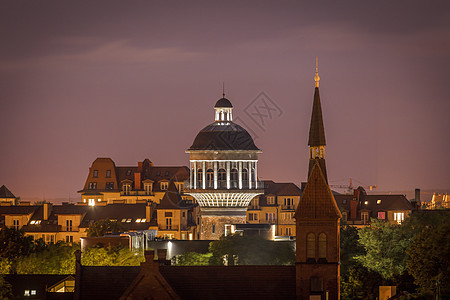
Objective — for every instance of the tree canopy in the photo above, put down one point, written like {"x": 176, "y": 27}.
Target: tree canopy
{"x": 104, "y": 226}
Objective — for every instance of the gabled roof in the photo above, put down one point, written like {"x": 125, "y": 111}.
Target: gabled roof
{"x": 387, "y": 202}
{"x": 317, "y": 201}
{"x": 5, "y": 193}
{"x": 316, "y": 129}
{"x": 172, "y": 198}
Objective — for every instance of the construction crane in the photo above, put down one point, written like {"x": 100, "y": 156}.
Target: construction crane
{"x": 349, "y": 188}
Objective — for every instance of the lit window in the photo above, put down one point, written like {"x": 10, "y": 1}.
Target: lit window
{"x": 365, "y": 217}
{"x": 129, "y": 220}
{"x": 27, "y": 293}
{"x": 379, "y": 201}
{"x": 344, "y": 216}
{"x": 381, "y": 215}
{"x": 32, "y": 222}
{"x": 33, "y": 292}
{"x": 366, "y": 202}
{"x": 399, "y": 217}
{"x": 16, "y": 224}
{"x": 138, "y": 220}
{"x": 92, "y": 185}
{"x": 124, "y": 220}
{"x": 92, "y": 202}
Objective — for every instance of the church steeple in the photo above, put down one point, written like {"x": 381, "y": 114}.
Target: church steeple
{"x": 316, "y": 140}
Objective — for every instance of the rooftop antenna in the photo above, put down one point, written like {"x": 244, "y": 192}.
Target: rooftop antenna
{"x": 223, "y": 89}
{"x": 317, "y": 78}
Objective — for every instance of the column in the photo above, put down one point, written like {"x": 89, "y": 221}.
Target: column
{"x": 228, "y": 174}
{"x": 192, "y": 174}
{"x": 215, "y": 174}
{"x": 195, "y": 175}
{"x": 240, "y": 174}
{"x": 256, "y": 175}
{"x": 249, "y": 175}
{"x": 204, "y": 175}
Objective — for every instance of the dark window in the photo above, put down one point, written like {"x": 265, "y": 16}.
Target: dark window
{"x": 158, "y": 173}
{"x": 108, "y": 173}
{"x": 128, "y": 172}
{"x": 244, "y": 178}
{"x": 168, "y": 214}
{"x": 167, "y": 173}
{"x": 209, "y": 178}
{"x": 199, "y": 178}
{"x": 222, "y": 180}
{"x": 234, "y": 179}
{"x": 316, "y": 284}
{"x": 344, "y": 201}
{"x": 92, "y": 185}
{"x": 184, "y": 214}
{"x": 322, "y": 245}
{"x": 213, "y": 228}
{"x": 311, "y": 246}
{"x": 110, "y": 185}
{"x": 95, "y": 174}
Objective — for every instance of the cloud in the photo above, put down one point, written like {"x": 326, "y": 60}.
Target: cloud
{"x": 115, "y": 52}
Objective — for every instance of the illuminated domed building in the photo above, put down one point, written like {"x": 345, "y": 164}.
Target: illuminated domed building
{"x": 223, "y": 177}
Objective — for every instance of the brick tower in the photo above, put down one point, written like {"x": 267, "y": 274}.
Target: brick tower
{"x": 317, "y": 221}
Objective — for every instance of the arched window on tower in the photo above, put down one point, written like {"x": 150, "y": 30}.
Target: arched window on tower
{"x": 244, "y": 179}
{"x": 209, "y": 178}
{"x": 322, "y": 246}
{"x": 234, "y": 179}
{"x": 199, "y": 178}
{"x": 222, "y": 180}
{"x": 311, "y": 246}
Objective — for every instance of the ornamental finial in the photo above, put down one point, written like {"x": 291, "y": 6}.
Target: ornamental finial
{"x": 223, "y": 89}
{"x": 317, "y": 78}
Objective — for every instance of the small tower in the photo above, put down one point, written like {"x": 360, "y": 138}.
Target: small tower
{"x": 317, "y": 222}
{"x": 316, "y": 139}
{"x": 223, "y": 178}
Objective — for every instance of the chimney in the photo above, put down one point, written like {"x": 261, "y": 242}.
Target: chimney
{"x": 162, "y": 257}
{"x": 137, "y": 181}
{"x": 353, "y": 209}
{"x": 46, "y": 211}
{"x": 417, "y": 197}
{"x": 148, "y": 213}
{"x": 140, "y": 164}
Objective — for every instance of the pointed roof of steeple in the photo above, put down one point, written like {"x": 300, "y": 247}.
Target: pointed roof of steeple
{"x": 5, "y": 193}
{"x": 316, "y": 129}
{"x": 317, "y": 201}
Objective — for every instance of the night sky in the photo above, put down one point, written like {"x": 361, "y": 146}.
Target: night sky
{"x": 138, "y": 79}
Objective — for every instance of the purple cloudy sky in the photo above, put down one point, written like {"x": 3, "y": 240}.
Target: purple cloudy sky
{"x": 138, "y": 79}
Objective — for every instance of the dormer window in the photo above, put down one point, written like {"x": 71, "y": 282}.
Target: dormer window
{"x": 166, "y": 173}
{"x": 95, "y": 175}
{"x": 128, "y": 172}
{"x": 126, "y": 188}
{"x": 108, "y": 173}
{"x": 92, "y": 185}
{"x": 110, "y": 185}
{"x": 164, "y": 185}
{"x": 148, "y": 188}
{"x": 270, "y": 199}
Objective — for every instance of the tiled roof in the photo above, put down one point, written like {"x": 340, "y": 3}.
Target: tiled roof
{"x": 388, "y": 202}
{"x": 106, "y": 282}
{"x": 281, "y": 189}
{"x": 317, "y": 200}
{"x": 5, "y": 193}
{"x": 231, "y": 282}
{"x": 18, "y": 210}
{"x": 39, "y": 282}
{"x": 172, "y": 198}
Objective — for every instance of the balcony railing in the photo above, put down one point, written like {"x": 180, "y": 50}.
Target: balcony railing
{"x": 169, "y": 228}
{"x": 222, "y": 185}
{"x": 287, "y": 207}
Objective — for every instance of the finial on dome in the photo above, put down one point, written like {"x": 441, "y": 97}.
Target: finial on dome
{"x": 317, "y": 78}
{"x": 223, "y": 89}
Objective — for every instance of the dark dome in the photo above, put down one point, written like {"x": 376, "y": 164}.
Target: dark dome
{"x": 223, "y": 102}
{"x": 219, "y": 136}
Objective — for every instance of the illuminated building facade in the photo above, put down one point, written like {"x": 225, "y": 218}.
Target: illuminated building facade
{"x": 224, "y": 167}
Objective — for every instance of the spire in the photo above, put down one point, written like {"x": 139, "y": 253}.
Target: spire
{"x": 223, "y": 89}
{"x": 317, "y": 78}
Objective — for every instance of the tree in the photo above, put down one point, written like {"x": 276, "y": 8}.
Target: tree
{"x": 55, "y": 259}
{"x": 253, "y": 250}
{"x": 428, "y": 261}
{"x": 14, "y": 243}
{"x": 385, "y": 245}
{"x": 5, "y": 289}
{"x": 117, "y": 256}
{"x": 192, "y": 259}
{"x": 104, "y": 226}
